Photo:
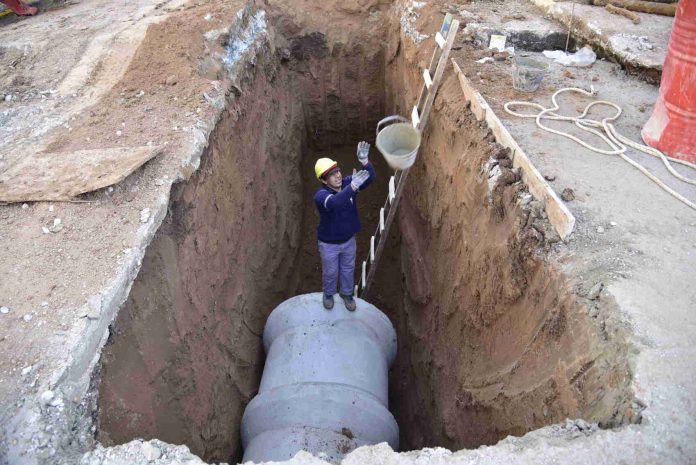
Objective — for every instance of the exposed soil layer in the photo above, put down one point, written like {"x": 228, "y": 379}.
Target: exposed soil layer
{"x": 492, "y": 340}
{"x": 185, "y": 356}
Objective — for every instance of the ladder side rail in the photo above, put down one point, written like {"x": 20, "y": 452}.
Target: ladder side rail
{"x": 401, "y": 176}
{"x": 387, "y": 225}
{"x": 379, "y": 237}
{"x": 441, "y": 65}
{"x": 434, "y": 60}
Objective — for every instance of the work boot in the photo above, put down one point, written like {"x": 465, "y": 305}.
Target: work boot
{"x": 349, "y": 301}
{"x": 328, "y": 301}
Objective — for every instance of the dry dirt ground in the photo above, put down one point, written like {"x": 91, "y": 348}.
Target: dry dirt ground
{"x": 77, "y": 80}
{"x": 56, "y": 67}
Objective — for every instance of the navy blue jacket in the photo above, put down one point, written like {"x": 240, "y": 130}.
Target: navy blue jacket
{"x": 338, "y": 211}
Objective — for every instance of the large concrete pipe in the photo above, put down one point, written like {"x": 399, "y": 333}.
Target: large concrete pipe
{"x": 324, "y": 387}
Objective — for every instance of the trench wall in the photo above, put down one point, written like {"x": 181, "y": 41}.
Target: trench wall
{"x": 185, "y": 356}
{"x": 492, "y": 339}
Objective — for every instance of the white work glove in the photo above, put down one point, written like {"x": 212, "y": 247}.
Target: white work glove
{"x": 363, "y": 151}
{"x": 359, "y": 179}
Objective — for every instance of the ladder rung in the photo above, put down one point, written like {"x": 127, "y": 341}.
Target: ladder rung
{"x": 392, "y": 190}
{"x": 440, "y": 40}
{"x": 415, "y": 119}
{"x": 381, "y": 220}
{"x": 363, "y": 273}
{"x": 428, "y": 80}
{"x": 372, "y": 249}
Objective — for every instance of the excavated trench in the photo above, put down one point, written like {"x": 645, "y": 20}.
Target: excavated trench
{"x": 492, "y": 340}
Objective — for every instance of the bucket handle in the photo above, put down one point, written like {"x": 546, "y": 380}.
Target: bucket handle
{"x": 389, "y": 119}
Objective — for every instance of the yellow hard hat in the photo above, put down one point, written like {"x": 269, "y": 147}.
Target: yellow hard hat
{"x": 323, "y": 166}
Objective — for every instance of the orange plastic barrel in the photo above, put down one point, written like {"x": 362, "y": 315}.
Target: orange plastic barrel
{"x": 672, "y": 125}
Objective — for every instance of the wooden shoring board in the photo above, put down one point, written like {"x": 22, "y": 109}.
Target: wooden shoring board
{"x": 450, "y": 27}
{"x": 560, "y": 217}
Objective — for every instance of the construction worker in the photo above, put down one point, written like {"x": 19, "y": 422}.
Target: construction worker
{"x": 336, "y": 201}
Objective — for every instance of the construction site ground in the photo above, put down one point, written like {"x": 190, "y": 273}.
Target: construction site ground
{"x": 95, "y": 74}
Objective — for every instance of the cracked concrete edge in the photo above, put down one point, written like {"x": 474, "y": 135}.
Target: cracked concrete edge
{"x": 39, "y": 433}
{"x": 30, "y": 427}
{"x": 648, "y": 67}
{"x": 545, "y": 5}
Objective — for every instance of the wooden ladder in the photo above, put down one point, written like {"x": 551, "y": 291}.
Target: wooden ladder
{"x": 432, "y": 76}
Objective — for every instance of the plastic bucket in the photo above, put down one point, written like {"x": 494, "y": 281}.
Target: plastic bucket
{"x": 398, "y": 142}
{"x": 527, "y": 73}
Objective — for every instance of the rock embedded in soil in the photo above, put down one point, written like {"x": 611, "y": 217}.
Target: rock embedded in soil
{"x": 501, "y": 56}
{"x": 57, "y": 225}
{"x": 144, "y": 215}
{"x": 47, "y": 397}
{"x": 151, "y": 452}
{"x": 594, "y": 311}
{"x": 568, "y": 194}
{"x": 500, "y": 152}
{"x": 595, "y": 291}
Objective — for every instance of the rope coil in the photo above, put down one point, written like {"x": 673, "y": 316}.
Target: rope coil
{"x": 609, "y": 134}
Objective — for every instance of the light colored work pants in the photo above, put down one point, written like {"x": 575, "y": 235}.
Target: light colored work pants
{"x": 338, "y": 264}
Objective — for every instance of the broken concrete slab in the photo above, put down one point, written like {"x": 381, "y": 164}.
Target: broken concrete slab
{"x": 65, "y": 175}
{"x": 520, "y": 21}
{"x": 640, "y": 48}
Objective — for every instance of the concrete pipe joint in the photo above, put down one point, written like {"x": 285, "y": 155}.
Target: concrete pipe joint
{"x": 324, "y": 387}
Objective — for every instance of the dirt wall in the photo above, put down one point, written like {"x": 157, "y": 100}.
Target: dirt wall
{"x": 185, "y": 355}
{"x": 492, "y": 339}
